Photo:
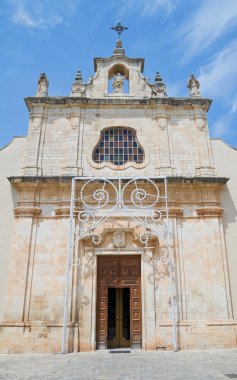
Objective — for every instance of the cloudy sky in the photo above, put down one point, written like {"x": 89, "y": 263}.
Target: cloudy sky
{"x": 176, "y": 37}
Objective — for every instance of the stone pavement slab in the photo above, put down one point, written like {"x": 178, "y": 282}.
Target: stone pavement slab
{"x": 137, "y": 365}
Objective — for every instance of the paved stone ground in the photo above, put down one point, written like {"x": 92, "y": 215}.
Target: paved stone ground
{"x": 137, "y": 365}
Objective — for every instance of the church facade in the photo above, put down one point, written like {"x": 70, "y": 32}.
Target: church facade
{"x": 121, "y": 219}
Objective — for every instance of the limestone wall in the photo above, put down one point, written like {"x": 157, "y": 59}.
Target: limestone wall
{"x": 62, "y": 138}
{"x": 225, "y": 159}
{"x": 37, "y": 271}
{"x": 11, "y": 163}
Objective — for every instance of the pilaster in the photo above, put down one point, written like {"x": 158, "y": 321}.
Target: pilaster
{"x": 38, "y": 119}
{"x": 149, "y": 323}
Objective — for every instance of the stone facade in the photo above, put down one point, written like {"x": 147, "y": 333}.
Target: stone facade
{"x": 11, "y": 163}
{"x": 173, "y": 132}
{"x": 225, "y": 158}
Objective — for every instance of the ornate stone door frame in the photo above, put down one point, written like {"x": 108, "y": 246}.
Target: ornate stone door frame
{"x": 126, "y": 273}
{"x": 99, "y": 199}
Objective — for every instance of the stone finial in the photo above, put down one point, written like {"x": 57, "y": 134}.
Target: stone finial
{"x": 119, "y": 44}
{"x": 159, "y": 88}
{"x": 193, "y": 85}
{"x": 119, "y": 48}
{"x": 43, "y": 85}
{"x": 78, "y": 86}
{"x": 78, "y": 77}
{"x": 158, "y": 78}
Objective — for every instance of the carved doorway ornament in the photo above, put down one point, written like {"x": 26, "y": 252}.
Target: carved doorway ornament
{"x": 97, "y": 200}
{"x": 119, "y": 239}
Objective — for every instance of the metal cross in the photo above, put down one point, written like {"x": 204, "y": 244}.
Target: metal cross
{"x": 119, "y": 28}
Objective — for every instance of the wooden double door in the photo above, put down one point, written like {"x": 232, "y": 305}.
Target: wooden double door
{"x": 119, "y": 302}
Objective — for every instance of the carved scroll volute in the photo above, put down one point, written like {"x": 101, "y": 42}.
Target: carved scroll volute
{"x": 201, "y": 124}
{"x": 78, "y": 86}
{"x": 74, "y": 122}
{"x": 162, "y": 123}
{"x": 35, "y": 122}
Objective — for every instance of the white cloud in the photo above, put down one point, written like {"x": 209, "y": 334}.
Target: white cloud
{"x": 234, "y": 105}
{"x": 219, "y": 77}
{"x": 218, "y": 80}
{"x": 210, "y": 21}
{"x": 147, "y": 8}
{"x": 38, "y": 14}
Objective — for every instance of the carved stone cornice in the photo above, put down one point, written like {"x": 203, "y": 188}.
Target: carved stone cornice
{"x": 62, "y": 211}
{"x": 27, "y": 211}
{"x": 171, "y": 180}
{"x": 209, "y": 211}
{"x": 210, "y": 204}
{"x": 88, "y": 102}
{"x": 175, "y": 212}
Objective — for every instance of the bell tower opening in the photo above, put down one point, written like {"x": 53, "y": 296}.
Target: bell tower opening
{"x": 118, "y": 79}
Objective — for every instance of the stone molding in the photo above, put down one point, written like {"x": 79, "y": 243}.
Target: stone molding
{"x": 171, "y": 180}
{"x": 175, "y": 212}
{"x": 27, "y": 211}
{"x": 33, "y": 170}
{"x": 117, "y": 167}
{"x": 13, "y": 324}
{"x": 222, "y": 323}
{"x": 209, "y": 211}
{"x": 187, "y": 323}
{"x": 62, "y": 211}
{"x": 72, "y": 170}
{"x": 87, "y": 102}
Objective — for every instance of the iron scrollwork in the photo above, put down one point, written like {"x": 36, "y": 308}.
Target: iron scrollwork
{"x": 139, "y": 198}
{"x": 99, "y": 199}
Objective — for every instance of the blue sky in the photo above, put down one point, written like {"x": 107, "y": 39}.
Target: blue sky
{"x": 176, "y": 37}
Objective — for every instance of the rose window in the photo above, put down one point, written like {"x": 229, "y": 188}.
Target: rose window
{"x": 118, "y": 146}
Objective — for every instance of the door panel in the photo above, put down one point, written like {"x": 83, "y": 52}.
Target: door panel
{"x": 112, "y": 335}
{"x": 136, "y": 317}
{"x": 118, "y": 317}
{"x": 119, "y": 272}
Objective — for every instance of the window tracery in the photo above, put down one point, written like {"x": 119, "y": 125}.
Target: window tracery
{"x": 118, "y": 146}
